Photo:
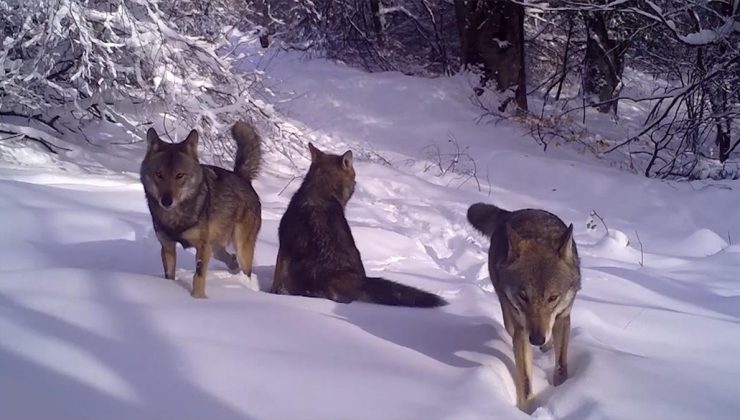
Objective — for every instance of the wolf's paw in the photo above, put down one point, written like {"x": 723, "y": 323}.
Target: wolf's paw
{"x": 233, "y": 265}
{"x": 198, "y": 294}
{"x": 527, "y": 406}
{"x": 560, "y": 375}
{"x": 546, "y": 347}
{"x": 169, "y": 276}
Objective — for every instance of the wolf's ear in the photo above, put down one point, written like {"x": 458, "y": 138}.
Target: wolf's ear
{"x": 347, "y": 160}
{"x": 315, "y": 153}
{"x": 152, "y": 141}
{"x": 566, "y": 246}
{"x": 517, "y": 244}
{"x": 191, "y": 144}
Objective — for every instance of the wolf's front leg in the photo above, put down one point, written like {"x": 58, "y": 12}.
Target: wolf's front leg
{"x": 523, "y": 362}
{"x": 169, "y": 256}
{"x": 561, "y": 335}
{"x": 507, "y": 311}
{"x": 202, "y": 256}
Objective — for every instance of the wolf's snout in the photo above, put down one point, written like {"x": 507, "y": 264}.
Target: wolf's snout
{"x": 536, "y": 339}
{"x": 166, "y": 200}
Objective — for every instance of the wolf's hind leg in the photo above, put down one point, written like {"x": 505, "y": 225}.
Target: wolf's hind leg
{"x": 220, "y": 253}
{"x": 245, "y": 238}
{"x": 344, "y": 287}
{"x": 281, "y": 278}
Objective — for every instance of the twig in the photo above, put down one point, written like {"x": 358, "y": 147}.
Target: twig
{"x": 458, "y": 162}
{"x": 488, "y": 180}
{"x": 288, "y": 184}
{"x": 598, "y": 216}
{"x": 633, "y": 318}
{"x": 642, "y": 254}
{"x": 47, "y": 145}
{"x": 36, "y": 117}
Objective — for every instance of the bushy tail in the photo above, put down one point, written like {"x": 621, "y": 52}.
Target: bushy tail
{"x": 386, "y": 292}
{"x": 485, "y": 217}
{"x": 248, "y": 150}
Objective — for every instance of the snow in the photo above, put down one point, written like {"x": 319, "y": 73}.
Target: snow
{"x": 702, "y": 37}
{"x": 90, "y": 329}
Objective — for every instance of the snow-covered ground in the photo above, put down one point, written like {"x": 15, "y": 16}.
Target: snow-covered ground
{"x": 89, "y": 328}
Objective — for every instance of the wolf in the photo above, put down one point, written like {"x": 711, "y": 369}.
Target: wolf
{"x": 317, "y": 255}
{"x": 535, "y": 270}
{"x": 203, "y": 206}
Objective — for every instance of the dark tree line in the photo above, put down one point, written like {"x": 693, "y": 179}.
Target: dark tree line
{"x": 543, "y": 49}
{"x": 64, "y": 66}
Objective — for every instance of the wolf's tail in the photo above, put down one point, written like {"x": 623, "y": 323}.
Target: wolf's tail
{"x": 248, "y": 150}
{"x": 485, "y": 217}
{"x": 385, "y": 292}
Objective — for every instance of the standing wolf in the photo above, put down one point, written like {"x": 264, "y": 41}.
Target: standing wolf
{"x": 202, "y": 205}
{"x": 534, "y": 268}
{"x": 317, "y": 256}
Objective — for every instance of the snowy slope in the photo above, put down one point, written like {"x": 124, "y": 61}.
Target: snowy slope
{"x": 89, "y": 329}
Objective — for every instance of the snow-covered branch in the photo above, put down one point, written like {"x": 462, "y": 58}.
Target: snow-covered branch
{"x": 83, "y": 61}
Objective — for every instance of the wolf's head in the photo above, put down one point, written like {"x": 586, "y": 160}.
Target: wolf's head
{"x": 334, "y": 175}
{"x": 541, "y": 281}
{"x": 171, "y": 172}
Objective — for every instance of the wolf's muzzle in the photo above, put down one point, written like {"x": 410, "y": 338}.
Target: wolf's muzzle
{"x": 536, "y": 339}
{"x": 166, "y": 200}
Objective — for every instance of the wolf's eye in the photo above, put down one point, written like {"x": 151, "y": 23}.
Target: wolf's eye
{"x": 523, "y": 296}
{"x": 158, "y": 174}
{"x": 179, "y": 175}
{"x": 553, "y": 298}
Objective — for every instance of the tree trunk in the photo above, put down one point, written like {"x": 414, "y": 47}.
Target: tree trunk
{"x": 723, "y": 139}
{"x": 377, "y": 22}
{"x": 264, "y": 7}
{"x": 604, "y": 64}
{"x": 492, "y": 36}
{"x": 467, "y": 14}
{"x": 718, "y": 97}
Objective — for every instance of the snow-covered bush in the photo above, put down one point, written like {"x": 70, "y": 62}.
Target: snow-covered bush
{"x": 65, "y": 64}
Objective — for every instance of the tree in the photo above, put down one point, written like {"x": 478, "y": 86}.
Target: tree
{"x": 603, "y": 61}
{"x": 492, "y": 37}
{"x": 65, "y": 65}
{"x": 691, "y": 47}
